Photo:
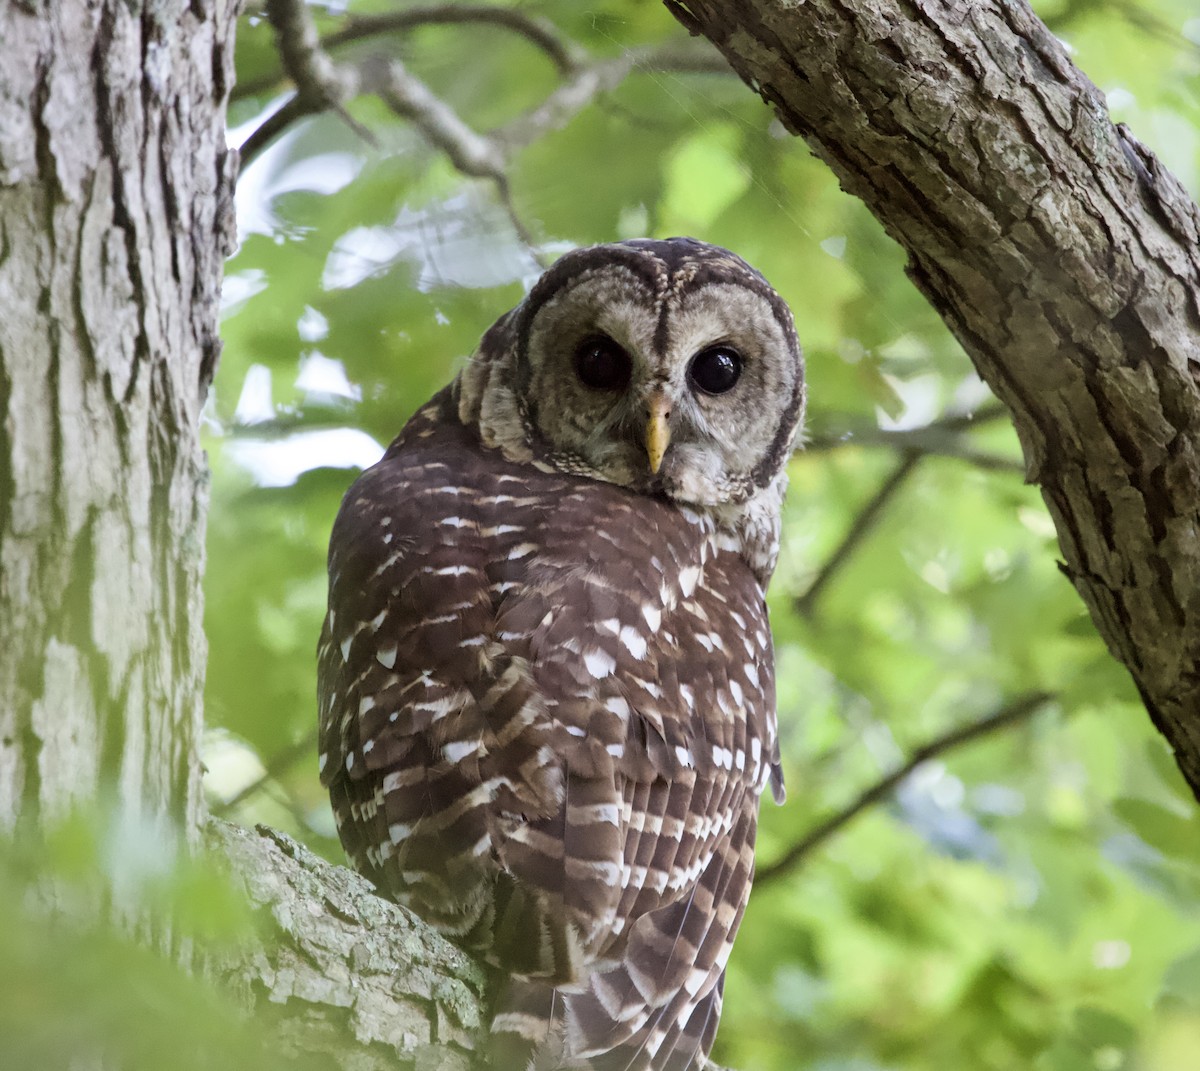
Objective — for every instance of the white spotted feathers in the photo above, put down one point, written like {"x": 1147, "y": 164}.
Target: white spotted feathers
{"x": 546, "y": 689}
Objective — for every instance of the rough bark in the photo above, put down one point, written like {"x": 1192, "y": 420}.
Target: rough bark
{"x": 1064, "y": 257}
{"x": 341, "y": 973}
{"x": 115, "y": 218}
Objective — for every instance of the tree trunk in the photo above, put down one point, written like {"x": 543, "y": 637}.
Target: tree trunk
{"x": 115, "y": 218}
{"x": 1060, "y": 252}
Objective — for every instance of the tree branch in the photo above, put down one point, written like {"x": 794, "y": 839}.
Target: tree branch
{"x": 1059, "y": 251}
{"x": 323, "y": 85}
{"x": 320, "y": 85}
{"x": 475, "y": 155}
{"x": 862, "y": 525}
{"x": 933, "y": 445}
{"x": 1017, "y": 711}
{"x": 539, "y": 32}
{"x": 275, "y": 767}
{"x": 295, "y": 108}
{"x": 944, "y": 437}
{"x": 340, "y": 973}
{"x": 570, "y": 98}
{"x": 950, "y": 424}
{"x": 302, "y": 56}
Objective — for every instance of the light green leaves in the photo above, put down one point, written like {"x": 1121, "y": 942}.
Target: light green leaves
{"x": 1023, "y": 901}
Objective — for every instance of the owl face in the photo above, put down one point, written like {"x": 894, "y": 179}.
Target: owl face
{"x": 667, "y": 367}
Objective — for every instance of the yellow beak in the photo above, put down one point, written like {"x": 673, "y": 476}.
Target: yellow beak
{"x": 658, "y": 428}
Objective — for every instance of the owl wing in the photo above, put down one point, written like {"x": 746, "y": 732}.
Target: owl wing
{"x": 539, "y": 731}
{"x": 434, "y": 740}
{"x": 657, "y": 651}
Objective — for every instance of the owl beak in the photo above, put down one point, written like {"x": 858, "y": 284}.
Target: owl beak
{"x": 658, "y": 428}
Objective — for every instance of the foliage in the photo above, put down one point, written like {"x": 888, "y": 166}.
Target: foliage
{"x": 99, "y": 911}
{"x": 1024, "y": 901}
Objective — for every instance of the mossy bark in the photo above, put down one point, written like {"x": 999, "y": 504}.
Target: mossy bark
{"x": 115, "y": 219}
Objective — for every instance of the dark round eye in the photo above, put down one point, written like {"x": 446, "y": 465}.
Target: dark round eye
{"x": 716, "y": 369}
{"x": 601, "y": 364}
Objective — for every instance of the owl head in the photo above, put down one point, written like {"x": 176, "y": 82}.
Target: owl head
{"x": 667, "y": 367}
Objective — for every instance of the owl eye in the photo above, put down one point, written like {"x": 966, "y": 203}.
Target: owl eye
{"x": 716, "y": 369}
{"x": 601, "y": 364}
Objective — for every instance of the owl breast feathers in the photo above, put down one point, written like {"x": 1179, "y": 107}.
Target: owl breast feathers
{"x": 545, "y": 677}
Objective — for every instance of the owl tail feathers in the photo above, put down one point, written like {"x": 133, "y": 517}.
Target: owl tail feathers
{"x": 536, "y": 1028}
{"x": 531, "y": 1031}
{"x": 529, "y": 937}
{"x": 527, "y": 1030}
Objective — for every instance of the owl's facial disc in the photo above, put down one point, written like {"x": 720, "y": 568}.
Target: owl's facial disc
{"x": 689, "y": 390}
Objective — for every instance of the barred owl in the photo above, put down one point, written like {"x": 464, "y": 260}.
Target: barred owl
{"x": 546, "y": 685}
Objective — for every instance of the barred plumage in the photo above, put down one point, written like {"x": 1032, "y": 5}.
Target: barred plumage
{"x": 546, "y": 682}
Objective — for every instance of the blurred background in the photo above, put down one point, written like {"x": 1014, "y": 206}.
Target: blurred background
{"x": 1025, "y": 897}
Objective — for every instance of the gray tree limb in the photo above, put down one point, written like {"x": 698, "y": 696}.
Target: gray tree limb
{"x": 340, "y": 973}
{"x": 1063, "y": 256}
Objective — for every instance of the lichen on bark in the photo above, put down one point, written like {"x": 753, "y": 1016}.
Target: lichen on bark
{"x": 342, "y": 973}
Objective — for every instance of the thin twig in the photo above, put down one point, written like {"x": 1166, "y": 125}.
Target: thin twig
{"x": 567, "y": 101}
{"x": 871, "y": 434}
{"x": 922, "y": 441}
{"x": 522, "y": 231}
{"x": 537, "y": 31}
{"x": 1017, "y": 711}
{"x": 320, "y": 85}
{"x": 293, "y": 109}
{"x": 944, "y": 437}
{"x": 471, "y": 153}
{"x": 863, "y": 523}
{"x": 280, "y": 762}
